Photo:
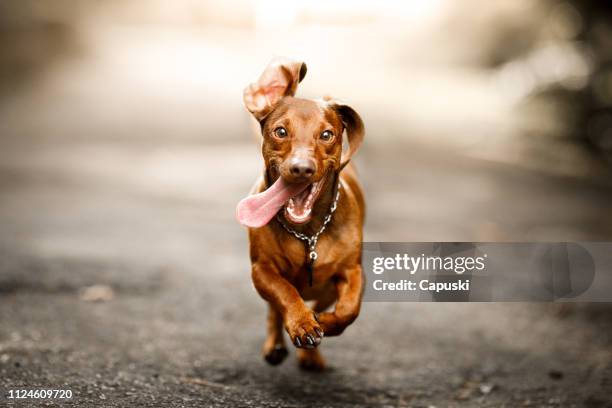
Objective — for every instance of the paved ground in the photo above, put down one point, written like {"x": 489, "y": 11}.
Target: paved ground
{"x": 110, "y": 183}
{"x": 184, "y": 327}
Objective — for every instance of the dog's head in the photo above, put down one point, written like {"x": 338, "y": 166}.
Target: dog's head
{"x": 302, "y": 138}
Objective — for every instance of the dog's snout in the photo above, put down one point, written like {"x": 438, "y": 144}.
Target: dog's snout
{"x": 303, "y": 168}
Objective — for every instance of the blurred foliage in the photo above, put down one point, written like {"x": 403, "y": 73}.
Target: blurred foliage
{"x": 593, "y": 103}
{"x": 586, "y": 108}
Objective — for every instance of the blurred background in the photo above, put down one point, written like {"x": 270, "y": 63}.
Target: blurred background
{"x": 124, "y": 147}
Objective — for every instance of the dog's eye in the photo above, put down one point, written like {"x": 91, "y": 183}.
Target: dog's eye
{"x": 327, "y": 135}
{"x": 280, "y": 132}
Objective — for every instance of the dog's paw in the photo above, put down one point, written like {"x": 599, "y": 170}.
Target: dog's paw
{"x": 276, "y": 354}
{"x": 304, "y": 331}
{"x": 310, "y": 360}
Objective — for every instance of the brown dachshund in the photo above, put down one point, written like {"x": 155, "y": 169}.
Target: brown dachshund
{"x": 306, "y": 214}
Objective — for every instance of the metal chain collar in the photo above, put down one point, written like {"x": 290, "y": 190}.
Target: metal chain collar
{"x": 311, "y": 241}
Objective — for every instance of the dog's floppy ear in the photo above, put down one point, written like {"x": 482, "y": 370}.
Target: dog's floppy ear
{"x": 355, "y": 130}
{"x": 279, "y": 79}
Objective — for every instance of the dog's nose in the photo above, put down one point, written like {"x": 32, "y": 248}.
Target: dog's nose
{"x": 302, "y": 168}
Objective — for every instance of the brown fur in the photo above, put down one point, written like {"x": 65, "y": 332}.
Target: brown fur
{"x": 278, "y": 258}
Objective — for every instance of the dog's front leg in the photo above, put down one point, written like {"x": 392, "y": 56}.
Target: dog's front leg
{"x": 349, "y": 287}
{"x": 298, "y": 318}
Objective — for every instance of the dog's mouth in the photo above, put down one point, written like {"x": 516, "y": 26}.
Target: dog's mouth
{"x": 297, "y": 199}
{"x": 298, "y": 210}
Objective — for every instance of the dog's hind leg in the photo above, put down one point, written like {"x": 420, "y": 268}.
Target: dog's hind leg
{"x": 274, "y": 350}
{"x": 310, "y": 359}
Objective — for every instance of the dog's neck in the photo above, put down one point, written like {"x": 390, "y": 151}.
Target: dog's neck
{"x": 320, "y": 209}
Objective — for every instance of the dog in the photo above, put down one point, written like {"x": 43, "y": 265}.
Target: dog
{"x": 305, "y": 214}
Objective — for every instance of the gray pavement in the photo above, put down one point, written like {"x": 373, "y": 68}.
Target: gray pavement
{"x": 184, "y": 327}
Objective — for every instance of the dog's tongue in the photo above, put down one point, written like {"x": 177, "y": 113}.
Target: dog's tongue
{"x": 257, "y": 210}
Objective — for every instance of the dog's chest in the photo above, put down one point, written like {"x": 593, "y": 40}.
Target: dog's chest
{"x": 329, "y": 260}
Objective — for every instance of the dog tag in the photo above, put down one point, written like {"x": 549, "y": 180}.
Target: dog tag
{"x": 312, "y": 257}
{"x": 309, "y": 270}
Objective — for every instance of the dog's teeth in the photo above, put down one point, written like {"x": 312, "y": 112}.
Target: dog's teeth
{"x": 299, "y": 217}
